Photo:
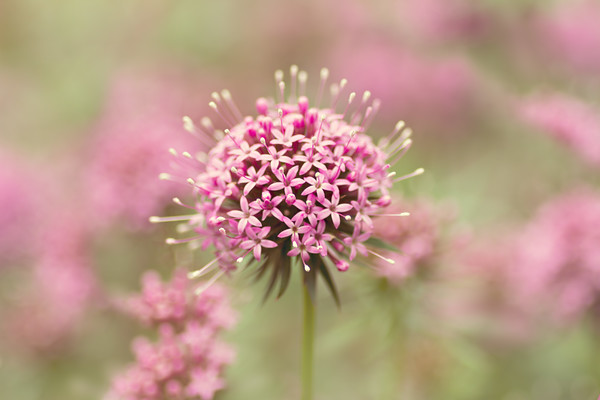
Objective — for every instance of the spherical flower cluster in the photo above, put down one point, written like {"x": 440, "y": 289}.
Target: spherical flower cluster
{"x": 416, "y": 238}
{"x": 188, "y": 359}
{"x": 569, "y": 120}
{"x": 295, "y": 182}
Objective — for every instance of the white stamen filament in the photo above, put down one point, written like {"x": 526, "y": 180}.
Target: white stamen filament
{"x": 400, "y": 152}
{"x": 389, "y": 138}
{"x": 155, "y": 219}
{"x": 204, "y": 270}
{"x": 339, "y": 91}
{"x": 369, "y": 115}
{"x": 282, "y": 91}
{"x": 209, "y": 283}
{"x": 302, "y": 78}
{"x": 402, "y": 214}
{"x": 223, "y": 116}
{"x": 294, "y": 77}
{"x": 350, "y": 100}
{"x": 324, "y": 75}
{"x": 171, "y": 241}
{"x": 232, "y": 106}
{"x": 417, "y": 172}
{"x": 389, "y": 260}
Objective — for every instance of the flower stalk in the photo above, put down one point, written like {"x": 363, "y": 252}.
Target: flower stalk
{"x": 308, "y": 340}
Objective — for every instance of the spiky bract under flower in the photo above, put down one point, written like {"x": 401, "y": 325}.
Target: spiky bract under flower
{"x": 296, "y": 183}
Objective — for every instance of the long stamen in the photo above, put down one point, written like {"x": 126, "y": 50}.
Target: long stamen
{"x": 229, "y": 101}
{"x": 209, "y": 283}
{"x": 156, "y": 220}
{"x": 225, "y": 119}
{"x": 350, "y": 100}
{"x": 370, "y": 114}
{"x": 240, "y": 259}
{"x": 302, "y": 78}
{"x": 356, "y": 115}
{"x": 204, "y": 270}
{"x": 294, "y": 77}
{"x": 417, "y": 172}
{"x": 182, "y": 241}
{"x": 224, "y": 107}
{"x": 198, "y": 133}
{"x": 177, "y": 201}
{"x": 278, "y": 82}
{"x": 389, "y": 138}
{"x": 228, "y": 133}
{"x": 389, "y": 260}
{"x": 339, "y": 91}
{"x": 400, "y": 151}
{"x": 164, "y": 176}
{"x": 324, "y": 76}
{"x": 306, "y": 267}
{"x": 402, "y": 214}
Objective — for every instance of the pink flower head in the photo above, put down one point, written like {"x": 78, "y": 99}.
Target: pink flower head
{"x": 569, "y": 120}
{"x": 188, "y": 359}
{"x": 308, "y": 166}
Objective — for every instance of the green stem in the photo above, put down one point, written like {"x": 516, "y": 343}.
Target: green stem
{"x": 308, "y": 340}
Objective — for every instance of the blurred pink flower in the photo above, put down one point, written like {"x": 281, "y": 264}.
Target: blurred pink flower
{"x": 567, "y": 119}
{"x": 48, "y": 310}
{"x": 570, "y": 35}
{"x": 130, "y": 148}
{"x": 429, "y": 93}
{"x": 188, "y": 359}
{"x": 442, "y": 20}
{"x": 19, "y": 202}
{"x": 557, "y": 256}
{"x": 416, "y": 236}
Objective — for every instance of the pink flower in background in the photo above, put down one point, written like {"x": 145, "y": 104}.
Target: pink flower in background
{"x": 570, "y": 34}
{"x": 315, "y": 165}
{"x": 567, "y": 119}
{"x": 50, "y": 307}
{"x": 442, "y": 20}
{"x": 416, "y": 236}
{"x": 434, "y": 94}
{"x": 557, "y": 256}
{"x": 130, "y": 148}
{"x": 188, "y": 359}
{"x": 19, "y": 217}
